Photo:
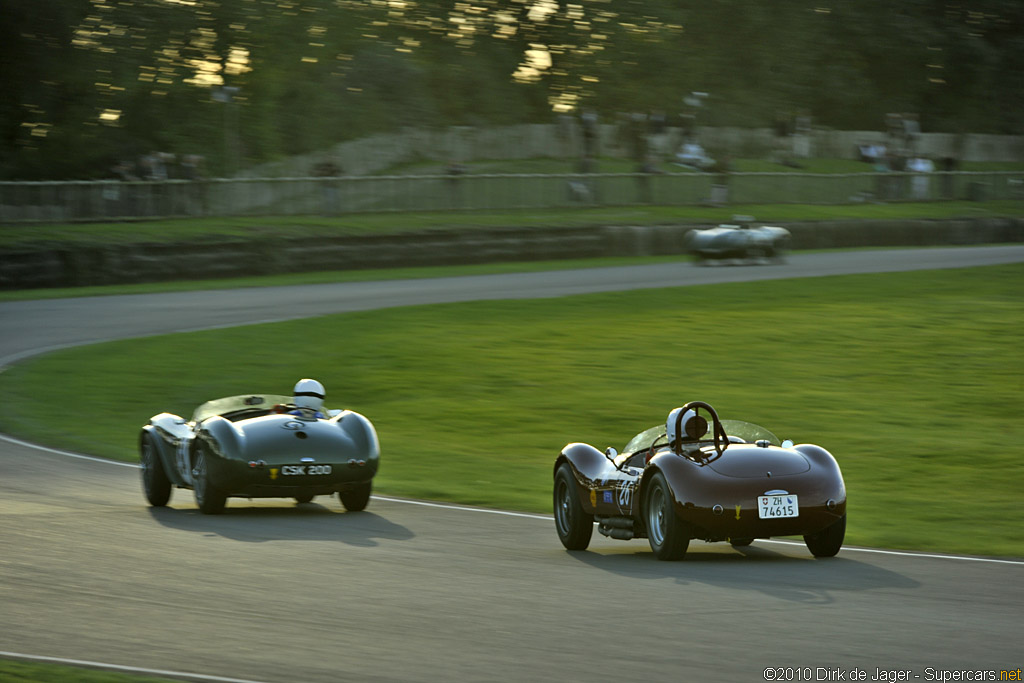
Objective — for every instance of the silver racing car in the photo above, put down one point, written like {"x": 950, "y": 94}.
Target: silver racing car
{"x": 738, "y": 240}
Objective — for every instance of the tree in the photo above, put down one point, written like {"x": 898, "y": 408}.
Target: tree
{"x": 91, "y": 82}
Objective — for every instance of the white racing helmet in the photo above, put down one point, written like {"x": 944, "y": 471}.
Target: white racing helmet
{"x": 686, "y": 427}
{"x": 309, "y": 394}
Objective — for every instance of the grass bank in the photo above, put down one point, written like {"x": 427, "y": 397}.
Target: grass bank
{"x": 21, "y": 236}
{"x": 13, "y": 671}
{"x": 322, "y": 277}
{"x": 911, "y": 379}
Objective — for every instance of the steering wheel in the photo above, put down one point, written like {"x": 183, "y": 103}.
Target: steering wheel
{"x": 721, "y": 440}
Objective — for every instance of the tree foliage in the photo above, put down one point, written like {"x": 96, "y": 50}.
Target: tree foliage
{"x": 90, "y": 82}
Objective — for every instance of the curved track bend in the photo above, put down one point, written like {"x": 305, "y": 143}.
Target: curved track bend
{"x": 412, "y": 591}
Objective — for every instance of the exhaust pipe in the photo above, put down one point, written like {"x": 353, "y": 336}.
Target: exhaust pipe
{"x": 620, "y": 528}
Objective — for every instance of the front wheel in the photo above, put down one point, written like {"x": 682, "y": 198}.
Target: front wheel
{"x": 665, "y": 531}
{"x": 210, "y": 499}
{"x": 574, "y": 526}
{"x": 155, "y": 483}
{"x": 356, "y": 499}
{"x": 828, "y": 541}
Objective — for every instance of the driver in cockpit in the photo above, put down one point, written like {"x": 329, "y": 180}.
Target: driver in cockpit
{"x": 307, "y": 401}
{"x": 684, "y": 426}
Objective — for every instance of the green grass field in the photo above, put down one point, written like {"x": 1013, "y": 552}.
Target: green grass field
{"x": 12, "y": 671}
{"x": 303, "y": 227}
{"x": 913, "y": 381}
{"x": 335, "y": 276}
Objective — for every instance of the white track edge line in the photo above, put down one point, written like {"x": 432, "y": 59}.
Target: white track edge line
{"x": 525, "y": 515}
{"x": 901, "y": 553}
{"x": 67, "y": 454}
{"x": 449, "y": 506}
{"x": 905, "y": 553}
{"x": 120, "y": 667}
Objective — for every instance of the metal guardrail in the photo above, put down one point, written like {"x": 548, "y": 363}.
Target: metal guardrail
{"x": 111, "y": 200}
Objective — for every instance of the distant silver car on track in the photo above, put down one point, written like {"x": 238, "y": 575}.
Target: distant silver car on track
{"x": 738, "y": 240}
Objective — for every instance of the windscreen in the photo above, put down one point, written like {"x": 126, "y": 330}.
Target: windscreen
{"x": 644, "y": 439}
{"x": 746, "y": 431}
{"x": 749, "y": 432}
{"x": 231, "y": 404}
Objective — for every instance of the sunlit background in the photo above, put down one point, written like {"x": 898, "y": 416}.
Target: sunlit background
{"x": 88, "y": 83}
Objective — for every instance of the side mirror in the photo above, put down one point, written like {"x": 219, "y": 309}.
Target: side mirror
{"x": 610, "y": 452}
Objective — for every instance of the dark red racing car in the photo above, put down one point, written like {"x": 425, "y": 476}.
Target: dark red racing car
{"x": 698, "y": 477}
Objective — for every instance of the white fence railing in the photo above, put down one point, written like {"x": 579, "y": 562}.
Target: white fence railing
{"x": 90, "y": 201}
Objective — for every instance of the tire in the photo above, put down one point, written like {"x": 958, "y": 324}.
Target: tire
{"x": 740, "y": 542}
{"x": 209, "y": 498}
{"x": 757, "y": 254}
{"x": 665, "y": 531}
{"x": 574, "y": 526}
{"x": 828, "y": 541}
{"x": 356, "y": 499}
{"x": 155, "y": 483}
{"x": 304, "y": 498}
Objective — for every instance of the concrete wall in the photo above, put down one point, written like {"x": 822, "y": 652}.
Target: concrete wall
{"x": 75, "y": 266}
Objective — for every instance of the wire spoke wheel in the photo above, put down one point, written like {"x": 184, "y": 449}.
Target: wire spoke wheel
{"x": 155, "y": 483}
{"x": 209, "y": 498}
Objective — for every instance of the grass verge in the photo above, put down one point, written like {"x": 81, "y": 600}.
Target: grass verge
{"x": 14, "y": 671}
{"x": 20, "y": 236}
{"x": 323, "y": 277}
{"x": 913, "y": 381}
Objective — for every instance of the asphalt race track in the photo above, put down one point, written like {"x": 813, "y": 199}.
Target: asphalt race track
{"x": 412, "y": 591}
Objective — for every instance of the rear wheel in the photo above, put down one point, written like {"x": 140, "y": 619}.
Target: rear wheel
{"x": 357, "y": 498}
{"x": 209, "y": 498}
{"x": 574, "y": 526}
{"x": 304, "y": 498}
{"x": 155, "y": 483}
{"x": 828, "y": 541}
{"x": 740, "y": 542}
{"x": 757, "y": 252}
{"x": 665, "y": 531}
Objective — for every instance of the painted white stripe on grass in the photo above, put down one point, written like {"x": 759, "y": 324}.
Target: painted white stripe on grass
{"x": 129, "y": 669}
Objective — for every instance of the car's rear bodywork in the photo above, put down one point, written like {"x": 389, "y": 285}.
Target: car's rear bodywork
{"x": 246, "y": 446}
{"x": 722, "y": 495}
